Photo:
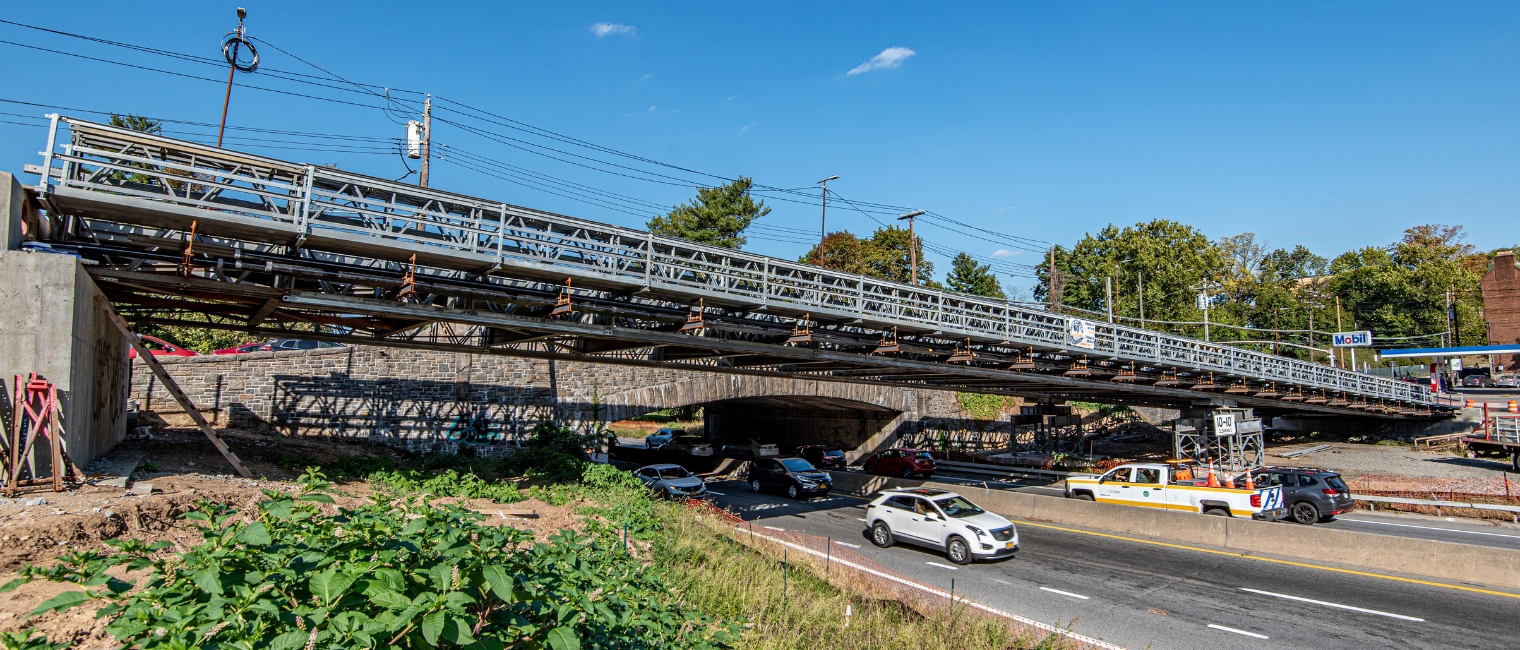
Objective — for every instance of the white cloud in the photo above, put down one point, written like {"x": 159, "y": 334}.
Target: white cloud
{"x": 889, "y": 58}
{"x": 610, "y": 29}
{"x": 1003, "y": 252}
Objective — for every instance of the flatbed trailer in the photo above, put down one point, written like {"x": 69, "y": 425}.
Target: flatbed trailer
{"x": 1500, "y": 437}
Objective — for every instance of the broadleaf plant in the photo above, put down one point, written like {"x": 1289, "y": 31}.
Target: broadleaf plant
{"x": 390, "y": 574}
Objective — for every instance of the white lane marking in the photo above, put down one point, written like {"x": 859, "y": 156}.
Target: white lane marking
{"x": 1003, "y": 581}
{"x": 1335, "y": 605}
{"x": 719, "y": 494}
{"x": 1231, "y": 629}
{"x": 848, "y": 544}
{"x": 1041, "y": 487}
{"x": 862, "y": 520}
{"x": 774, "y": 528}
{"x": 1063, "y": 593}
{"x": 942, "y": 566}
{"x": 1444, "y": 530}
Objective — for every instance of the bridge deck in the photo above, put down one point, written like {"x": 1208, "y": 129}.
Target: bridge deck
{"x": 279, "y": 247}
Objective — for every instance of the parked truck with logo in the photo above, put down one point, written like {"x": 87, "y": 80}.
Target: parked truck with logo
{"x": 1175, "y": 487}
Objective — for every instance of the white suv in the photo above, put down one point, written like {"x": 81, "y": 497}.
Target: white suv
{"x": 940, "y": 519}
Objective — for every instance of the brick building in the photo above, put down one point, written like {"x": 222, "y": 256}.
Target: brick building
{"x": 1501, "y": 305}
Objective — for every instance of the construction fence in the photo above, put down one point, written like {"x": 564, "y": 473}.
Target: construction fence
{"x": 1500, "y": 490}
{"x": 841, "y": 565}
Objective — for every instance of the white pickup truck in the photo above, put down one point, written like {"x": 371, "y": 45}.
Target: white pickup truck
{"x": 1173, "y": 487}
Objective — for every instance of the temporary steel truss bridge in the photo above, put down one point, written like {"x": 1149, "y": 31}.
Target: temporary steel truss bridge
{"x": 181, "y": 233}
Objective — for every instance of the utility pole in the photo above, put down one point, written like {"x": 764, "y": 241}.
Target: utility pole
{"x": 912, "y": 243}
{"x": 1050, "y": 282}
{"x": 427, "y": 140}
{"x": 823, "y": 219}
{"x": 1338, "y": 327}
{"x": 1140, "y": 279}
{"x": 1203, "y": 304}
{"x": 1108, "y": 291}
{"x": 230, "y": 46}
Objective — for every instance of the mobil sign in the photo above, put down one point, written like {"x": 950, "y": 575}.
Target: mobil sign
{"x": 1360, "y": 339}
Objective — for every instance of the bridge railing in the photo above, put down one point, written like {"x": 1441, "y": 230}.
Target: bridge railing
{"x": 305, "y": 200}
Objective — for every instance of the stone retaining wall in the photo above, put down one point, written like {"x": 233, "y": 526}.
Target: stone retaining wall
{"x": 410, "y": 395}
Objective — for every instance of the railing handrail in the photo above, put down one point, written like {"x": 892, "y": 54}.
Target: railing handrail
{"x": 462, "y": 224}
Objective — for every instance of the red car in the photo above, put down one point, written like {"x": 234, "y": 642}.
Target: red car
{"x": 162, "y": 348}
{"x": 244, "y": 348}
{"x": 900, "y": 462}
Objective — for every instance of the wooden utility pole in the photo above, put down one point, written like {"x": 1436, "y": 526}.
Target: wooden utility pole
{"x": 427, "y": 140}
{"x": 912, "y": 243}
{"x": 1338, "y": 328}
{"x": 1140, "y": 279}
{"x": 1050, "y": 281}
{"x": 169, "y": 384}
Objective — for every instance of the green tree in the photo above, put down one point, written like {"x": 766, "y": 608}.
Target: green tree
{"x": 883, "y": 255}
{"x": 717, "y": 216}
{"x": 841, "y": 251}
{"x": 1401, "y": 289}
{"x": 966, "y": 276}
{"x": 1175, "y": 259}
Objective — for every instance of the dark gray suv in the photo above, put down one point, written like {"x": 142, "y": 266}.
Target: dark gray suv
{"x": 1311, "y": 495}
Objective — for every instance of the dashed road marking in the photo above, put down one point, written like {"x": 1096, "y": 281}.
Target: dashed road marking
{"x": 1335, "y": 605}
{"x": 1003, "y": 581}
{"x": 718, "y": 494}
{"x": 1444, "y": 530}
{"x": 1258, "y": 558}
{"x": 942, "y": 566}
{"x": 774, "y": 528}
{"x": 1231, "y": 629}
{"x": 1063, "y": 593}
{"x": 862, "y": 520}
{"x": 848, "y": 544}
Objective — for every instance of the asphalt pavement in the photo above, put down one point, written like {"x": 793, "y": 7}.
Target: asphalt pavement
{"x": 1152, "y": 593}
{"x": 1443, "y": 529}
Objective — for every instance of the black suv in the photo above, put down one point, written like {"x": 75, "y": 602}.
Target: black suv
{"x": 823, "y": 457}
{"x": 797, "y": 477}
{"x": 1311, "y": 495}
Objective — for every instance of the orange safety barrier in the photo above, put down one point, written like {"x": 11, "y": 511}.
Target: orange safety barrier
{"x": 1469, "y": 403}
{"x": 1513, "y": 408}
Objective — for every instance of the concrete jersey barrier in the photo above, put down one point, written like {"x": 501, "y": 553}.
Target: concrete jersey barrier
{"x": 1499, "y": 567}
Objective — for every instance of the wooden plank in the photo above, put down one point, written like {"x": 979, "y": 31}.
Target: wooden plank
{"x": 169, "y": 384}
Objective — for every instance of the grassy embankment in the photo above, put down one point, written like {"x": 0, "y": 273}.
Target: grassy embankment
{"x": 728, "y": 580}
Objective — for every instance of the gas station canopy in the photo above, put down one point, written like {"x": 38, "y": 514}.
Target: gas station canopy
{"x": 1450, "y": 352}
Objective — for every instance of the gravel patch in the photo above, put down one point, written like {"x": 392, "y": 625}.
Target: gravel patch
{"x": 1357, "y": 460}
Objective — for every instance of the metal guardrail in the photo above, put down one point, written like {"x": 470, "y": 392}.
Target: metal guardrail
{"x": 303, "y": 202}
{"x": 1438, "y": 504}
{"x": 999, "y": 470}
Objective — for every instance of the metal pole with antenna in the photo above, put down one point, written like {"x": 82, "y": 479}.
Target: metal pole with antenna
{"x": 231, "y": 43}
{"x": 912, "y": 243}
{"x": 823, "y": 220}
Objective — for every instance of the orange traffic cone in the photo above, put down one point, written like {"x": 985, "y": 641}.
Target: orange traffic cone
{"x": 1250, "y": 485}
{"x": 1213, "y": 478}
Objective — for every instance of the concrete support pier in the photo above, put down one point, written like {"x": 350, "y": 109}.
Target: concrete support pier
{"x": 50, "y": 324}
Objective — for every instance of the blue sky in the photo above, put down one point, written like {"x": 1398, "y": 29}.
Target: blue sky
{"x": 1334, "y": 125}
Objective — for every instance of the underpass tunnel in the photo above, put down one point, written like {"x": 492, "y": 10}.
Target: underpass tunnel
{"x": 792, "y": 421}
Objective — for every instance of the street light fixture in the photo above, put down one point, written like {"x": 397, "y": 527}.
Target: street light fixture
{"x": 912, "y": 243}
{"x": 823, "y": 220}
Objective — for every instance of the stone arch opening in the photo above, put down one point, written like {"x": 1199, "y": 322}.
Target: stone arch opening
{"x": 794, "y": 420}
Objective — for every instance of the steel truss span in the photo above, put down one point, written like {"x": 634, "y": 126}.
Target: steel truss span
{"x": 261, "y": 245}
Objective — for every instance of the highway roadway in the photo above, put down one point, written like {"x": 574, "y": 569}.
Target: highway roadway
{"x": 1443, "y": 529}
{"x": 1148, "y": 593}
